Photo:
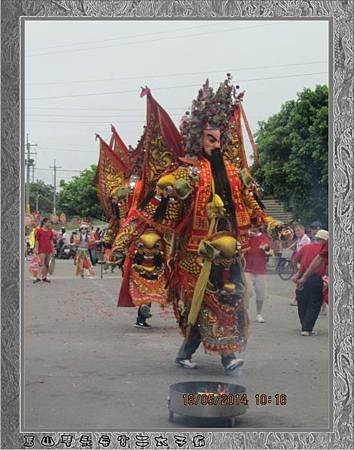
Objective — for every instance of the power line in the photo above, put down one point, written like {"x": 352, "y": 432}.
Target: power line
{"x": 94, "y": 127}
{"x": 86, "y": 116}
{"x": 78, "y": 121}
{"x": 59, "y": 170}
{"x": 170, "y": 87}
{"x": 176, "y": 74}
{"x": 90, "y": 109}
{"x": 149, "y": 40}
{"x": 65, "y": 148}
{"x": 120, "y": 38}
{"x": 70, "y": 150}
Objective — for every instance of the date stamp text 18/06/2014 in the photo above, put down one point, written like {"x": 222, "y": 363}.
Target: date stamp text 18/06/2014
{"x": 206, "y": 398}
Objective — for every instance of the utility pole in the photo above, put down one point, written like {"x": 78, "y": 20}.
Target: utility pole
{"x": 29, "y": 162}
{"x": 33, "y": 164}
{"x": 33, "y": 172}
{"x": 55, "y": 167}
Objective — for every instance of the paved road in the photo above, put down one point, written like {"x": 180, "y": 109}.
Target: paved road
{"x": 87, "y": 367}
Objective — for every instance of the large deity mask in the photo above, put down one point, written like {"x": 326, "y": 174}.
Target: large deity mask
{"x": 211, "y": 112}
{"x": 211, "y": 140}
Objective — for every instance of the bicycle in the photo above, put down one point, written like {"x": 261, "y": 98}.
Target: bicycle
{"x": 286, "y": 268}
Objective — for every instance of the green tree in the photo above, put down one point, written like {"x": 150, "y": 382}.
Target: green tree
{"x": 78, "y": 197}
{"x": 41, "y": 197}
{"x": 293, "y": 156}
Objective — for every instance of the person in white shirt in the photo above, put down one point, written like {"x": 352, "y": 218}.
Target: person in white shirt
{"x": 301, "y": 237}
{"x": 301, "y": 240}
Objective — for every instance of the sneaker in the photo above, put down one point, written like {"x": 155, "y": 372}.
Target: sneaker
{"x": 293, "y": 303}
{"x": 142, "y": 325}
{"x": 259, "y": 319}
{"x": 46, "y": 280}
{"x": 186, "y": 363}
{"x": 234, "y": 364}
{"x": 309, "y": 333}
{"x": 37, "y": 280}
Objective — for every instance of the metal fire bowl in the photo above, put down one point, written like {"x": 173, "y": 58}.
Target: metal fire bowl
{"x": 176, "y": 402}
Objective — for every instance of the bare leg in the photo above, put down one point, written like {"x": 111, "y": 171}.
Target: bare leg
{"x": 44, "y": 272}
{"x": 43, "y": 269}
{"x": 260, "y": 287}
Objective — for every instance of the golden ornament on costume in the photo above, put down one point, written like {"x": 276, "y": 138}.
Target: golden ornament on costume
{"x": 147, "y": 281}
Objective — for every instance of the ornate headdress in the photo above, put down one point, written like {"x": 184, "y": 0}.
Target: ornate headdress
{"x": 209, "y": 111}
{"x": 83, "y": 224}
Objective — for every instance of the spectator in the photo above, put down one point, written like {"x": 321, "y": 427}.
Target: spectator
{"x": 44, "y": 247}
{"x": 256, "y": 259}
{"x": 27, "y": 248}
{"x": 97, "y": 234}
{"x": 62, "y": 240}
{"x": 314, "y": 227}
{"x": 73, "y": 237}
{"x": 301, "y": 237}
{"x": 32, "y": 239}
{"x": 63, "y": 236}
{"x": 323, "y": 256}
{"x": 276, "y": 247}
{"x": 92, "y": 244}
{"x": 34, "y": 267}
{"x": 301, "y": 240}
{"x": 310, "y": 283}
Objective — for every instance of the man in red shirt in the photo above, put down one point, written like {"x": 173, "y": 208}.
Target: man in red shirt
{"x": 256, "y": 266}
{"x": 45, "y": 248}
{"x": 310, "y": 286}
{"x": 320, "y": 258}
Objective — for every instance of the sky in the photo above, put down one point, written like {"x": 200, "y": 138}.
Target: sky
{"x": 82, "y": 76}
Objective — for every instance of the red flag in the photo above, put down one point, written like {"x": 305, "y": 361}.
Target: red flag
{"x": 144, "y": 91}
{"x": 109, "y": 165}
{"x": 161, "y": 140}
{"x": 120, "y": 149}
{"x": 236, "y": 153}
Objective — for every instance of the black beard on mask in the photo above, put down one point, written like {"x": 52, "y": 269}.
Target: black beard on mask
{"x": 222, "y": 185}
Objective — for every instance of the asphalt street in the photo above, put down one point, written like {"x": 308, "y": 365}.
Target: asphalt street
{"x": 86, "y": 366}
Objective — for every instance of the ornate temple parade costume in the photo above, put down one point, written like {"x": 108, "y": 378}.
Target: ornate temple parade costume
{"x": 82, "y": 259}
{"x": 112, "y": 182}
{"x": 200, "y": 203}
{"x": 142, "y": 250}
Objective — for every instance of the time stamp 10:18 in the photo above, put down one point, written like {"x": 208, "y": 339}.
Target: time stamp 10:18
{"x": 223, "y": 399}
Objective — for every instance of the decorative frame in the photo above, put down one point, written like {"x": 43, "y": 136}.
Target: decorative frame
{"x": 340, "y": 14}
